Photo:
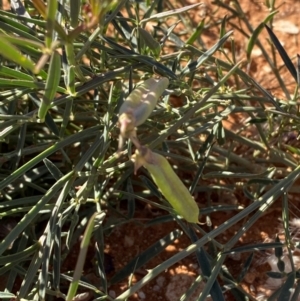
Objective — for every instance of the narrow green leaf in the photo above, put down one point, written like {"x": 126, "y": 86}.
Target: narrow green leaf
{"x": 287, "y": 61}
{"x": 70, "y": 82}
{"x": 256, "y": 33}
{"x": 258, "y": 120}
{"x": 43, "y": 275}
{"x": 207, "y": 146}
{"x": 254, "y": 247}
{"x": 11, "y": 53}
{"x": 266, "y": 93}
{"x": 51, "y": 124}
{"x": 13, "y": 274}
{"x": 74, "y": 68}
{"x": 150, "y": 185}
{"x": 206, "y": 267}
{"x": 130, "y": 199}
{"x": 210, "y": 124}
{"x": 286, "y": 288}
{"x": 253, "y": 39}
{"x": 42, "y": 9}
{"x": 53, "y": 169}
{"x": 57, "y": 146}
{"x": 32, "y": 213}
{"x": 192, "y": 111}
{"x": 17, "y": 202}
{"x": 50, "y": 18}
{"x": 22, "y": 255}
{"x": 66, "y": 118}
{"x": 298, "y": 69}
{"x": 82, "y": 254}
{"x": 6, "y": 295}
{"x": 31, "y": 272}
{"x": 213, "y": 278}
{"x": 16, "y": 28}
{"x": 239, "y": 175}
{"x": 151, "y": 8}
{"x": 296, "y": 293}
{"x": 281, "y": 265}
{"x": 20, "y": 41}
{"x": 223, "y": 27}
{"x": 49, "y": 241}
{"x": 28, "y": 20}
{"x": 104, "y": 260}
{"x": 52, "y": 83}
{"x": 275, "y": 275}
{"x": 245, "y": 268}
{"x": 74, "y": 12}
{"x": 149, "y": 41}
{"x": 220, "y": 133}
{"x": 197, "y": 33}
{"x": 9, "y": 72}
{"x": 195, "y": 65}
{"x": 19, "y": 9}
{"x": 8, "y": 83}
{"x": 170, "y": 13}
{"x": 278, "y": 250}
{"x": 57, "y": 255}
{"x": 169, "y": 35}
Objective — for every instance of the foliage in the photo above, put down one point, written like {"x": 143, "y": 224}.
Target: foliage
{"x": 65, "y": 70}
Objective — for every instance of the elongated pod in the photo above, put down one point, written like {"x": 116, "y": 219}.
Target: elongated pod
{"x": 142, "y": 100}
{"x": 138, "y": 106}
{"x": 168, "y": 182}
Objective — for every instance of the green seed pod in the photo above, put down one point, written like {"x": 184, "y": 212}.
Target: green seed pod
{"x": 168, "y": 182}
{"x": 142, "y": 100}
{"x": 138, "y": 106}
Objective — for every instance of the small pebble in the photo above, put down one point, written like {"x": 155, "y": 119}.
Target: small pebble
{"x": 128, "y": 241}
{"x": 193, "y": 266}
{"x": 286, "y": 26}
{"x": 142, "y": 295}
{"x": 160, "y": 281}
{"x": 81, "y": 297}
{"x": 112, "y": 294}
